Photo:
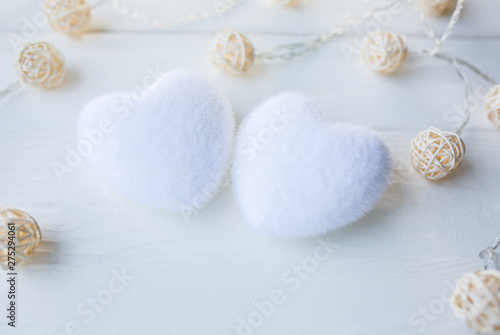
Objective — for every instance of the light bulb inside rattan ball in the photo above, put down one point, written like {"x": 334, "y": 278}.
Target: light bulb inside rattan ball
{"x": 40, "y": 65}
{"x": 70, "y": 17}
{"x": 492, "y": 101}
{"x": 434, "y": 7}
{"x": 286, "y": 3}
{"x": 384, "y": 51}
{"x": 20, "y": 232}
{"x": 436, "y": 153}
{"x": 232, "y": 52}
{"x": 476, "y": 300}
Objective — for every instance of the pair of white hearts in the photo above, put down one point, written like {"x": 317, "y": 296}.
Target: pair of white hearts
{"x": 294, "y": 175}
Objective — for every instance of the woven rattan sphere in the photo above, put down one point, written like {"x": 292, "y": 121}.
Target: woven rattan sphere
{"x": 17, "y": 229}
{"x": 40, "y": 65}
{"x": 492, "y": 101}
{"x": 70, "y": 17}
{"x": 286, "y": 3}
{"x": 384, "y": 51}
{"x": 436, "y": 153}
{"x": 434, "y": 7}
{"x": 476, "y": 300}
{"x": 232, "y": 52}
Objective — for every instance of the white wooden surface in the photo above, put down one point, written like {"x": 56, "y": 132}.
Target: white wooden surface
{"x": 387, "y": 274}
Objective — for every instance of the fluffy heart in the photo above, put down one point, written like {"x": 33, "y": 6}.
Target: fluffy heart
{"x": 168, "y": 146}
{"x": 295, "y": 175}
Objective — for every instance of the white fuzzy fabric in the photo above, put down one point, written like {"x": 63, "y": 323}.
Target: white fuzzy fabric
{"x": 170, "y": 150}
{"x": 296, "y": 175}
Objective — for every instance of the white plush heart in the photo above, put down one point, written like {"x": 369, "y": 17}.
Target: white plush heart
{"x": 296, "y": 175}
{"x": 169, "y": 147}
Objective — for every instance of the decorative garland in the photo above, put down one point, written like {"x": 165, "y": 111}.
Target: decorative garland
{"x": 233, "y": 53}
{"x": 72, "y": 17}
{"x": 434, "y": 153}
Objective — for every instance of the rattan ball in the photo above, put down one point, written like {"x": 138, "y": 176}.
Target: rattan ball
{"x": 434, "y": 7}
{"x": 476, "y": 300}
{"x": 384, "y": 51}
{"x": 232, "y": 52}
{"x": 436, "y": 153}
{"x": 492, "y": 101}
{"x": 70, "y": 17}
{"x": 40, "y": 65}
{"x": 286, "y": 3}
{"x": 17, "y": 229}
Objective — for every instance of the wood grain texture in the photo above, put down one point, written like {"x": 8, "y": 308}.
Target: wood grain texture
{"x": 384, "y": 275}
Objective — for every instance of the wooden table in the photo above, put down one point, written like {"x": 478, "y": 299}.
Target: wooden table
{"x": 116, "y": 267}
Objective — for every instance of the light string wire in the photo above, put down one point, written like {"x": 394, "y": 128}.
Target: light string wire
{"x": 449, "y": 28}
{"x": 10, "y": 89}
{"x": 348, "y": 20}
{"x": 451, "y": 60}
{"x": 489, "y": 256}
{"x": 218, "y": 10}
{"x": 455, "y": 62}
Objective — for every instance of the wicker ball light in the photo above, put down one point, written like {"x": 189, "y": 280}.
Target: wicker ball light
{"x": 434, "y": 7}
{"x": 384, "y": 51}
{"x": 476, "y": 300}
{"x": 492, "y": 101}
{"x": 71, "y": 17}
{"x": 436, "y": 153}
{"x": 232, "y": 52}
{"x": 40, "y": 65}
{"x": 20, "y": 230}
{"x": 286, "y": 3}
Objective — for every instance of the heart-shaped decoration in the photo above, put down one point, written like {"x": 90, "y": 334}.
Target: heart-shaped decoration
{"x": 295, "y": 175}
{"x": 168, "y": 146}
